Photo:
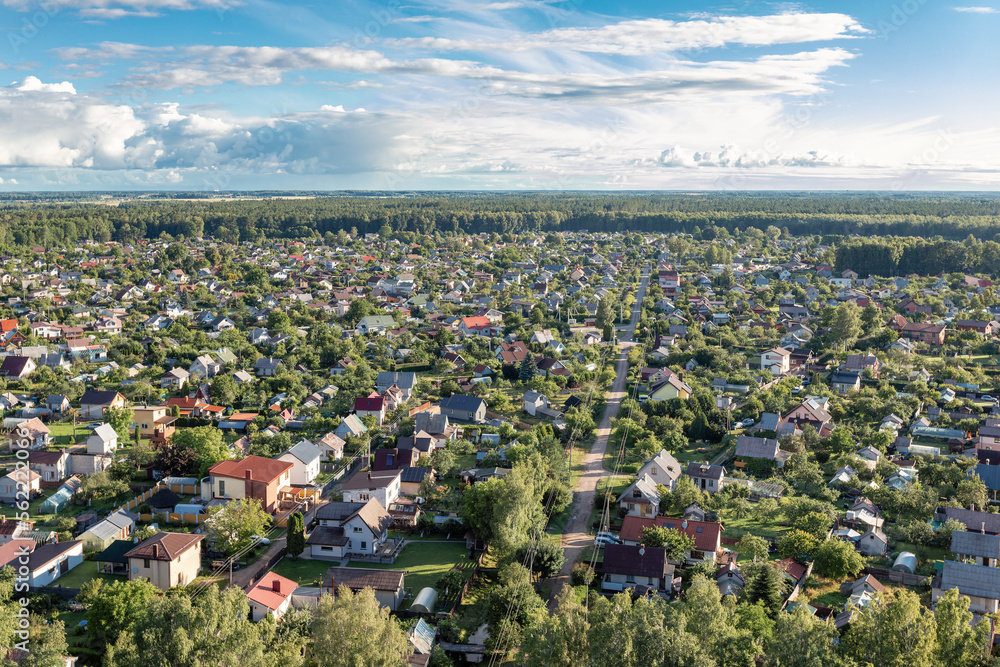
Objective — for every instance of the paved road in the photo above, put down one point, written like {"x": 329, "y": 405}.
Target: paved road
{"x": 576, "y": 535}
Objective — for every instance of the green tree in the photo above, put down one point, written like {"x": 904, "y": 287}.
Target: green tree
{"x": 754, "y": 546}
{"x": 676, "y": 543}
{"x": 605, "y": 312}
{"x": 354, "y": 630}
{"x": 815, "y": 523}
{"x": 559, "y": 639}
{"x": 797, "y": 544}
{"x": 295, "y": 541}
{"x": 846, "y": 325}
{"x": 972, "y": 491}
{"x": 231, "y": 526}
{"x": 527, "y": 370}
{"x": 114, "y": 606}
{"x": 121, "y": 419}
{"x": 46, "y": 642}
{"x": 838, "y": 560}
{"x": 206, "y": 442}
{"x": 959, "y": 643}
{"x": 222, "y": 389}
{"x": 800, "y": 639}
{"x": 211, "y": 629}
{"x": 547, "y": 557}
{"x": 894, "y": 632}
{"x": 764, "y": 586}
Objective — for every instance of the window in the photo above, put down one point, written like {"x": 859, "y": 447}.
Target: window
{"x": 326, "y": 548}
{"x": 222, "y": 487}
{"x": 629, "y": 578}
{"x": 364, "y": 545}
{"x": 357, "y": 529}
{"x": 145, "y": 563}
{"x": 700, "y": 529}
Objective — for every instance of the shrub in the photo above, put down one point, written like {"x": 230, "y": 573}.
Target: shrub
{"x": 582, "y": 575}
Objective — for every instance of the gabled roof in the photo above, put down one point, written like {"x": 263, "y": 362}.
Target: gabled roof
{"x": 106, "y": 432}
{"x": 627, "y": 559}
{"x": 706, "y": 534}
{"x": 972, "y": 580}
{"x": 357, "y": 578}
{"x": 975, "y": 544}
{"x": 94, "y": 397}
{"x": 304, "y": 451}
{"x": 272, "y": 590}
{"x": 260, "y": 468}
{"x": 165, "y": 546}
{"x": 47, "y": 553}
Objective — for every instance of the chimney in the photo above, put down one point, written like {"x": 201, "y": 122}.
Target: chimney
{"x": 156, "y": 551}
{"x": 982, "y": 528}
{"x": 276, "y": 585}
{"x": 246, "y": 474}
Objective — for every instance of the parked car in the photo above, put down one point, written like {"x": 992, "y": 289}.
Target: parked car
{"x": 604, "y": 538}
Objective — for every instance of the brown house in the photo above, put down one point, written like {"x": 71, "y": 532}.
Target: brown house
{"x": 251, "y": 477}
{"x": 932, "y": 334}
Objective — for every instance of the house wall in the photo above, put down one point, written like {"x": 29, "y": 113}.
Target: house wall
{"x": 301, "y": 473}
{"x": 166, "y": 574}
{"x": 50, "y": 572}
{"x": 977, "y": 605}
{"x": 259, "y": 612}
{"x": 626, "y": 582}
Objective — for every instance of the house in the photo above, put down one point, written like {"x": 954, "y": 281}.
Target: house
{"x": 387, "y": 584}
{"x": 790, "y": 569}
{"x": 708, "y": 478}
{"x": 532, "y": 401}
{"x": 17, "y": 368}
{"x": 627, "y": 567}
{"x": 382, "y": 485}
{"x": 641, "y": 498}
{"x": 117, "y": 526}
{"x": 749, "y": 447}
{"x": 93, "y": 403}
{"x": 349, "y": 528}
{"x": 331, "y": 447}
{"x": 873, "y": 543}
{"x": 250, "y": 477}
{"x": 464, "y": 408}
{"x": 19, "y": 484}
{"x": 103, "y": 440}
{"x": 166, "y": 559}
{"x": 843, "y": 382}
{"x": 405, "y": 381}
{"x": 31, "y": 434}
{"x": 174, "y": 379}
{"x": 154, "y": 422}
{"x": 57, "y": 403}
{"x": 476, "y": 326}
{"x": 730, "y": 580}
{"x": 375, "y": 324}
{"x": 52, "y": 466}
{"x": 663, "y": 469}
{"x": 669, "y": 387}
{"x": 47, "y": 562}
{"x": 776, "y": 361}
{"x": 813, "y": 412}
{"x": 512, "y": 353}
{"x": 373, "y": 405}
{"x": 863, "y": 362}
{"x": 271, "y": 596}
{"x": 305, "y": 459}
{"x": 707, "y": 535}
{"x": 932, "y": 334}
{"x": 981, "y": 547}
{"x": 267, "y": 366}
{"x": 979, "y": 583}
{"x": 350, "y": 426}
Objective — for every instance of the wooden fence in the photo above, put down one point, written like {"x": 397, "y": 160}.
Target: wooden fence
{"x": 174, "y": 517}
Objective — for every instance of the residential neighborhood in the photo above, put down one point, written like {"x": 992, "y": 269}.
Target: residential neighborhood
{"x": 528, "y": 422}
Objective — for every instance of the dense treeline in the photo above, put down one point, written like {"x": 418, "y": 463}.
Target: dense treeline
{"x": 37, "y": 220}
{"x": 903, "y": 256}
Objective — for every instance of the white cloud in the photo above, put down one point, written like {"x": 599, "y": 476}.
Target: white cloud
{"x": 34, "y": 84}
{"x": 977, "y": 10}
{"x": 648, "y": 36}
{"x": 114, "y": 9}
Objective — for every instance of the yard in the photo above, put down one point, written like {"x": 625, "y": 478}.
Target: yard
{"x": 424, "y": 563}
{"x": 83, "y": 573}
{"x": 768, "y": 528}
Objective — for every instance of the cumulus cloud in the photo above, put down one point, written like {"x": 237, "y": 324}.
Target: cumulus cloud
{"x": 732, "y": 156}
{"x": 977, "y": 10}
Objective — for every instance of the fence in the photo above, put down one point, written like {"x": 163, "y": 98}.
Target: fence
{"x": 897, "y": 577}
{"x": 187, "y": 489}
{"x": 174, "y": 517}
{"x": 64, "y": 593}
{"x": 420, "y": 408}
{"x": 264, "y": 566}
{"x": 465, "y": 588}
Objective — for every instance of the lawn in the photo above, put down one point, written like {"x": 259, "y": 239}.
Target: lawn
{"x": 83, "y": 573}
{"x": 62, "y": 432}
{"x": 425, "y": 563}
{"x": 769, "y": 529}
{"x": 303, "y": 572}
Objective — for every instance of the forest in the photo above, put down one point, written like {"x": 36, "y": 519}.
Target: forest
{"x": 55, "y": 219}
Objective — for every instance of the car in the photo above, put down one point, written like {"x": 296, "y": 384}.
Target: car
{"x": 257, "y": 539}
{"x": 987, "y": 397}
{"x": 746, "y": 422}
{"x": 604, "y": 538}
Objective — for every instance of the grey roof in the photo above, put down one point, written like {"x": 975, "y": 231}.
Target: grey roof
{"x": 430, "y": 423}
{"x": 975, "y": 544}
{"x": 304, "y": 451}
{"x": 756, "y": 448}
{"x": 974, "y": 580}
{"x": 768, "y": 422}
{"x": 462, "y": 402}
{"x": 337, "y": 511}
{"x": 403, "y": 379}
{"x": 974, "y": 520}
{"x": 990, "y": 475}
{"x": 700, "y": 470}
{"x": 328, "y": 536}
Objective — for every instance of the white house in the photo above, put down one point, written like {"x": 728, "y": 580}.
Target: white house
{"x": 305, "y": 459}
{"x": 382, "y": 485}
{"x": 348, "y": 527}
{"x": 271, "y": 596}
{"x": 663, "y": 469}
{"x": 104, "y": 440}
{"x": 776, "y": 361}
{"x": 50, "y": 561}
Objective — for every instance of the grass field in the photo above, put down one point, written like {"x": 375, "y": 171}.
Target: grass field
{"x": 83, "y": 573}
{"x": 767, "y": 529}
{"x": 425, "y": 563}
{"x": 303, "y": 572}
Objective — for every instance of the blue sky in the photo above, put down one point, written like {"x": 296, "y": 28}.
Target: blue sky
{"x": 498, "y": 94}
